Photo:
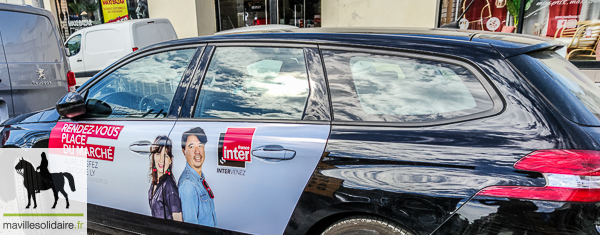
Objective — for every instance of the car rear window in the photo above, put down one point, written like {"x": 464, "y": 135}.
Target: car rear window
{"x": 145, "y": 35}
{"x": 386, "y": 88}
{"x": 28, "y": 38}
{"x": 577, "y": 90}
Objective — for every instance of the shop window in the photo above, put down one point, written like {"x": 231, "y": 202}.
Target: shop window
{"x": 233, "y": 14}
{"x": 488, "y": 15}
{"x": 575, "y": 23}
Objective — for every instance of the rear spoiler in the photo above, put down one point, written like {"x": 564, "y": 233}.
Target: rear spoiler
{"x": 516, "y": 44}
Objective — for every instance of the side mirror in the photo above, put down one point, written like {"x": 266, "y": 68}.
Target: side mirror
{"x": 68, "y": 52}
{"x": 71, "y": 105}
{"x": 97, "y": 108}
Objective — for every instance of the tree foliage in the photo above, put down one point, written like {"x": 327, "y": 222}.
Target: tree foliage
{"x": 514, "y": 7}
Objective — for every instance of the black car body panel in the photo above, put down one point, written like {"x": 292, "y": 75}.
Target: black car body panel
{"x": 423, "y": 177}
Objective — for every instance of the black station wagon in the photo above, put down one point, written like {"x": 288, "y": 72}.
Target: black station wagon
{"x": 334, "y": 131}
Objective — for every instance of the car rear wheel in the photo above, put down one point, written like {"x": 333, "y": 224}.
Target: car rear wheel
{"x": 365, "y": 225}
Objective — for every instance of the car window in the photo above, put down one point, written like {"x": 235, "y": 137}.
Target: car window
{"x": 28, "y": 38}
{"x": 254, "y": 82}
{"x": 74, "y": 45}
{"x": 575, "y": 88}
{"x": 371, "y": 87}
{"x": 143, "y": 88}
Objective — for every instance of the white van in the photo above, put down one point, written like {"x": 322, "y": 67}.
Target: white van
{"x": 94, "y": 48}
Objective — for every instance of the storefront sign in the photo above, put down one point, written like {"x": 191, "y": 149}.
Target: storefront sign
{"x": 114, "y": 10}
{"x": 80, "y": 23}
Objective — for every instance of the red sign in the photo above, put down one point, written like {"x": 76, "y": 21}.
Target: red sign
{"x": 237, "y": 144}
{"x": 71, "y": 139}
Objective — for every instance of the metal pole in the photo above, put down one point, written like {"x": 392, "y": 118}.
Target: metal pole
{"x": 521, "y": 17}
{"x": 304, "y": 13}
{"x": 456, "y": 10}
{"x": 219, "y": 7}
{"x": 266, "y": 16}
{"x": 295, "y": 20}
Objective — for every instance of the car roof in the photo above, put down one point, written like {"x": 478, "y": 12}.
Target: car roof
{"x": 24, "y": 9}
{"x": 257, "y": 28}
{"x": 507, "y": 44}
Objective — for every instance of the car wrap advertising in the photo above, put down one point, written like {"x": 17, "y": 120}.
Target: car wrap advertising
{"x": 258, "y": 170}
{"x": 114, "y": 10}
{"x": 234, "y": 147}
{"x": 206, "y": 173}
{"x": 71, "y": 139}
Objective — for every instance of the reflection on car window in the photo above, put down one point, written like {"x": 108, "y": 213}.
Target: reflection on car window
{"x": 369, "y": 87}
{"x": 254, "y": 82}
{"x": 74, "y": 45}
{"x": 141, "y": 89}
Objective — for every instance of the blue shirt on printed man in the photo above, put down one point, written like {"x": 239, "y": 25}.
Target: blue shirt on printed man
{"x": 196, "y": 204}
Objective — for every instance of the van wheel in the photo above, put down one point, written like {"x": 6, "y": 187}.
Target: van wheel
{"x": 365, "y": 225}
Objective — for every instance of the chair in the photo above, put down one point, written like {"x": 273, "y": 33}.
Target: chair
{"x": 565, "y": 32}
{"x": 585, "y": 39}
{"x": 591, "y": 52}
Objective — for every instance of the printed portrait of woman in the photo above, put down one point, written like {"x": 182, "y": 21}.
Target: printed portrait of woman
{"x": 163, "y": 195}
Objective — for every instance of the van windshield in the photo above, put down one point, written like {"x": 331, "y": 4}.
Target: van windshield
{"x": 569, "y": 78}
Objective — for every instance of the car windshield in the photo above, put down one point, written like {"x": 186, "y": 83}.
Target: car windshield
{"x": 571, "y": 79}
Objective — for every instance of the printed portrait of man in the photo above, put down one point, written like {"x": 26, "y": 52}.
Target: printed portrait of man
{"x": 196, "y": 196}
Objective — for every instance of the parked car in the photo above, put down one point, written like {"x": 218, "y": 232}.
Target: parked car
{"x": 335, "y": 130}
{"x": 33, "y": 64}
{"x": 93, "y": 48}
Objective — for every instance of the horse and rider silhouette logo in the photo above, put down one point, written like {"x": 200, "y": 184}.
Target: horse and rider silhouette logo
{"x": 35, "y": 181}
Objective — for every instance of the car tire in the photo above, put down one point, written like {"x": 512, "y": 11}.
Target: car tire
{"x": 365, "y": 225}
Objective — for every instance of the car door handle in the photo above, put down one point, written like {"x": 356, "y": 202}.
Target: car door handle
{"x": 141, "y": 147}
{"x": 79, "y": 60}
{"x": 273, "y": 152}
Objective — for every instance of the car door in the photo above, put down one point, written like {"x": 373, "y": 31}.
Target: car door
{"x": 128, "y": 107}
{"x": 74, "y": 46}
{"x": 256, "y": 131}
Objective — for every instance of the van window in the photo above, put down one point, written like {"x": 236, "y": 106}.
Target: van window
{"x": 74, "y": 45}
{"x": 166, "y": 31}
{"x": 28, "y": 38}
{"x": 107, "y": 40}
{"x": 2, "y": 60}
{"x": 145, "y": 35}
